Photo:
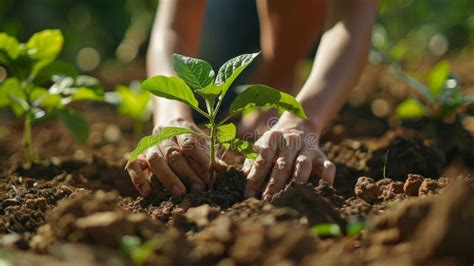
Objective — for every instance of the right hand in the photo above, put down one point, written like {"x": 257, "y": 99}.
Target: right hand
{"x": 182, "y": 156}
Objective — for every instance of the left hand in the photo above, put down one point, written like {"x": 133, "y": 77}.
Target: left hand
{"x": 288, "y": 151}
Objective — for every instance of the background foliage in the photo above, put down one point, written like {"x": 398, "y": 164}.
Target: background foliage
{"x": 107, "y": 34}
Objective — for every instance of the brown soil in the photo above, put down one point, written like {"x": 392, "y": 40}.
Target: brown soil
{"x": 77, "y": 204}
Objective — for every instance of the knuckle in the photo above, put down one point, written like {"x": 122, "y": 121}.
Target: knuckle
{"x": 283, "y": 164}
{"x": 303, "y": 161}
{"x": 261, "y": 161}
{"x": 188, "y": 142}
{"x": 172, "y": 153}
{"x": 152, "y": 156}
{"x": 156, "y": 129}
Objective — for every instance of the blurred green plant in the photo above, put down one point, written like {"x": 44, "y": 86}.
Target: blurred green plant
{"x": 30, "y": 67}
{"x": 326, "y": 230}
{"x": 133, "y": 102}
{"x": 440, "y": 98}
{"x": 355, "y": 228}
{"x": 137, "y": 251}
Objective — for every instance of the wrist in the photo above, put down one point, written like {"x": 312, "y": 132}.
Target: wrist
{"x": 165, "y": 111}
{"x": 291, "y": 120}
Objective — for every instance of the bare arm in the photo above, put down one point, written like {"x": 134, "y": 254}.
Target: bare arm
{"x": 339, "y": 62}
{"x": 177, "y": 28}
{"x": 341, "y": 56}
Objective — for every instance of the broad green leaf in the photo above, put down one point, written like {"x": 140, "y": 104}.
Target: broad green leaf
{"x": 243, "y": 147}
{"x": 172, "y": 88}
{"x": 56, "y": 68}
{"x": 196, "y": 73}
{"x": 133, "y": 103}
{"x": 264, "y": 96}
{"x": 136, "y": 251}
{"x": 75, "y": 123}
{"x": 11, "y": 94}
{"x": 210, "y": 92}
{"x": 437, "y": 77}
{"x": 9, "y": 48}
{"x": 226, "y": 133}
{"x": 410, "y": 109}
{"x": 86, "y": 94}
{"x": 42, "y": 97}
{"x": 326, "y": 230}
{"x": 44, "y": 47}
{"x": 150, "y": 141}
{"x": 232, "y": 69}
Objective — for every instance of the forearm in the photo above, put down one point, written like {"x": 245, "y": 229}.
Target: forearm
{"x": 176, "y": 29}
{"x": 339, "y": 61}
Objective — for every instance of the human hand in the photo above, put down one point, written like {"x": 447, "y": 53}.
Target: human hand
{"x": 288, "y": 151}
{"x": 183, "y": 156}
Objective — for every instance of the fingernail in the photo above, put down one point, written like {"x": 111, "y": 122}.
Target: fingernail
{"x": 197, "y": 187}
{"x": 267, "y": 197}
{"x": 176, "y": 190}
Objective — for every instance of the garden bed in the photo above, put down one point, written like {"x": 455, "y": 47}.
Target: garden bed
{"x": 400, "y": 198}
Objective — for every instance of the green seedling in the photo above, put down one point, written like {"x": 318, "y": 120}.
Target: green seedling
{"x": 197, "y": 78}
{"x": 326, "y": 230}
{"x": 133, "y": 102}
{"x": 355, "y": 228}
{"x": 440, "y": 98}
{"x": 31, "y": 66}
{"x": 137, "y": 251}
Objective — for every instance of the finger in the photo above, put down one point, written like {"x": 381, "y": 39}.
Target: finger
{"x": 220, "y": 166}
{"x": 323, "y": 167}
{"x": 137, "y": 172}
{"x": 281, "y": 171}
{"x": 303, "y": 166}
{"x": 196, "y": 153}
{"x": 163, "y": 172}
{"x": 180, "y": 166}
{"x": 247, "y": 166}
{"x": 267, "y": 148}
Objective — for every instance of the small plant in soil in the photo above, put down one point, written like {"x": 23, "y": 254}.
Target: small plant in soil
{"x": 197, "y": 78}
{"x": 39, "y": 86}
{"x": 137, "y": 251}
{"x": 440, "y": 98}
{"x": 133, "y": 102}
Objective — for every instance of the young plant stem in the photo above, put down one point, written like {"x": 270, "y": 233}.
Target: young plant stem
{"x": 212, "y": 141}
{"x": 212, "y": 152}
{"x": 27, "y": 146}
{"x": 138, "y": 128}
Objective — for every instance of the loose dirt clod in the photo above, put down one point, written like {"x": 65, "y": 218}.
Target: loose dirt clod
{"x": 412, "y": 184}
{"x": 366, "y": 189}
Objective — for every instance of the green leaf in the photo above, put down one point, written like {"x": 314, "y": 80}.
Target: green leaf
{"x": 60, "y": 68}
{"x": 136, "y": 251}
{"x": 243, "y": 147}
{"x": 172, "y": 88}
{"x": 196, "y": 73}
{"x": 326, "y": 230}
{"x": 133, "y": 103}
{"x": 437, "y": 77}
{"x": 44, "y": 47}
{"x": 9, "y": 48}
{"x": 41, "y": 97}
{"x": 150, "y": 141}
{"x": 226, "y": 133}
{"x": 232, "y": 69}
{"x": 264, "y": 96}
{"x": 11, "y": 94}
{"x": 355, "y": 228}
{"x": 75, "y": 123}
{"x": 410, "y": 109}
